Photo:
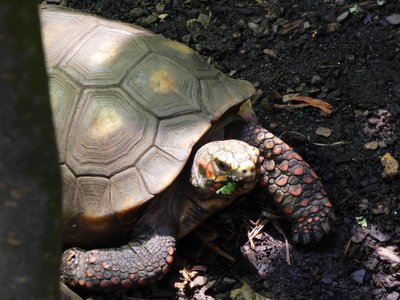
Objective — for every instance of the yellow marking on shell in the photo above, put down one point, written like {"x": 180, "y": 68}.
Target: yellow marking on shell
{"x": 105, "y": 53}
{"x": 179, "y": 47}
{"x": 107, "y": 122}
{"x": 162, "y": 82}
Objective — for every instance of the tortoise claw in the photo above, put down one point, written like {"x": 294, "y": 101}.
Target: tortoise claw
{"x": 304, "y": 233}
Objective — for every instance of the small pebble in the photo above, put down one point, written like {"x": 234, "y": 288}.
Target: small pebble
{"x": 316, "y": 80}
{"x": 198, "y": 281}
{"x": 271, "y": 53}
{"x": 136, "y": 12}
{"x": 382, "y": 144}
{"x": 149, "y": 20}
{"x": 326, "y": 280}
{"x": 236, "y": 34}
{"x": 371, "y": 145}
{"x": 323, "y": 131}
{"x": 393, "y": 19}
{"x": 306, "y": 25}
{"x": 358, "y": 276}
{"x": 364, "y": 204}
{"x": 342, "y": 17}
{"x": 359, "y": 113}
{"x": 253, "y": 26}
{"x": 187, "y": 38}
{"x": 371, "y": 263}
{"x": 229, "y": 280}
{"x": 300, "y": 88}
{"x": 160, "y": 7}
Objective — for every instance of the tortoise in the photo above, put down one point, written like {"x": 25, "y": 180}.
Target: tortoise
{"x": 152, "y": 140}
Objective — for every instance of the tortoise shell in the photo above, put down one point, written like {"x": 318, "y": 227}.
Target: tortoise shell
{"x": 128, "y": 106}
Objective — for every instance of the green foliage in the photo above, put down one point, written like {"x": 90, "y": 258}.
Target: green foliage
{"x": 362, "y": 221}
{"x": 227, "y": 189}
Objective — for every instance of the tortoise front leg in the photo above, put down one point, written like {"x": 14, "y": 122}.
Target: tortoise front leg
{"x": 296, "y": 189}
{"x": 118, "y": 268}
{"x": 142, "y": 261}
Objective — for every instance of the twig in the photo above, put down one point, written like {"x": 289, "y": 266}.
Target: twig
{"x": 318, "y": 144}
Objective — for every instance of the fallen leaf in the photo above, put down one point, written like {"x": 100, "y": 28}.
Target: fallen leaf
{"x": 385, "y": 280}
{"x": 332, "y": 27}
{"x": 379, "y": 235}
{"x": 246, "y": 293}
{"x": 362, "y": 221}
{"x": 188, "y": 276}
{"x": 287, "y": 27}
{"x": 390, "y": 165}
{"x": 389, "y": 254}
{"x": 324, "y": 106}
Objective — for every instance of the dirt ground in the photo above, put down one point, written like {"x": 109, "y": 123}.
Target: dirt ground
{"x": 344, "y": 52}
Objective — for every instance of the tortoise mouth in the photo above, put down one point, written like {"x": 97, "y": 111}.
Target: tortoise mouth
{"x": 232, "y": 185}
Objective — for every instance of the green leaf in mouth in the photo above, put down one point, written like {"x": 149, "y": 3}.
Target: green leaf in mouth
{"x": 227, "y": 189}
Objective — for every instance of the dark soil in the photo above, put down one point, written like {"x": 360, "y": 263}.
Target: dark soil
{"x": 332, "y": 50}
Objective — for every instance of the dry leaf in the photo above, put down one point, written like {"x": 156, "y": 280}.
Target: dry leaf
{"x": 188, "y": 275}
{"x": 245, "y": 293}
{"x": 389, "y": 254}
{"x": 199, "y": 268}
{"x": 324, "y": 106}
{"x": 291, "y": 26}
{"x": 390, "y": 164}
{"x": 332, "y": 27}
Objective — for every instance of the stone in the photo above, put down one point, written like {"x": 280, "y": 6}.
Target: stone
{"x": 342, "y": 17}
{"x": 323, "y": 131}
{"x": 371, "y": 145}
{"x": 358, "y": 276}
{"x": 393, "y": 19}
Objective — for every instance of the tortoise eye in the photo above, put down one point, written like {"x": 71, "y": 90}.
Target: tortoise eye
{"x": 223, "y": 166}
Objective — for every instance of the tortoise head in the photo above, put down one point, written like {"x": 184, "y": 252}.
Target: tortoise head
{"x": 225, "y": 168}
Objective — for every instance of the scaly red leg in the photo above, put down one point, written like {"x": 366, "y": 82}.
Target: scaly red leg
{"x": 113, "y": 269}
{"x": 296, "y": 189}
{"x": 143, "y": 260}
